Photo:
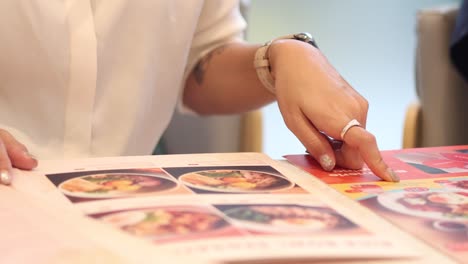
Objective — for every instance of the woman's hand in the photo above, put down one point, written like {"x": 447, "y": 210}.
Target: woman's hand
{"x": 315, "y": 100}
{"x": 13, "y": 154}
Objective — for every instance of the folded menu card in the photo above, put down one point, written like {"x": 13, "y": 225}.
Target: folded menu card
{"x": 430, "y": 202}
{"x": 231, "y": 207}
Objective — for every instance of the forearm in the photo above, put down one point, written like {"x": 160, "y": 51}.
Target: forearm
{"x": 225, "y": 82}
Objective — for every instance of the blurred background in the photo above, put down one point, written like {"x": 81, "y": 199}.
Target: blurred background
{"x": 371, "y": 43}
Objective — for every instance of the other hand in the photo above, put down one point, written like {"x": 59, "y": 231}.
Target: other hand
{"x": 13, "y": 154}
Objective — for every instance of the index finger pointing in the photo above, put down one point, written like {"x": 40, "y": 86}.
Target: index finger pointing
{"x": 366, "y": 143}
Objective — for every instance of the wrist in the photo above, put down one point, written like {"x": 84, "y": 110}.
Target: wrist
{"x": 290, "y": 50}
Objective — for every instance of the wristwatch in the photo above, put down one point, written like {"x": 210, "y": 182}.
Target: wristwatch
{"x": 262, "y": 63}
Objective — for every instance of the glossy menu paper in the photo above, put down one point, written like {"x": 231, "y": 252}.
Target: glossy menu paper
{"x": 229, "y": 207}
{"x": 430, "y": 202}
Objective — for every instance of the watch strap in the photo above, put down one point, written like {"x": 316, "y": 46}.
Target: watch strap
{"x": 262, "y": 66}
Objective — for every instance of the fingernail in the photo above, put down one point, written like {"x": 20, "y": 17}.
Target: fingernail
{"x": 5, "y": 177}
{"x": 326, "y": 162}
{"x": 29, "y": 155}
{"x": 393, "y": 175}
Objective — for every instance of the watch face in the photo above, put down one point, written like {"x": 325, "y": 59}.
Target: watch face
{"x": 306, "y": 37}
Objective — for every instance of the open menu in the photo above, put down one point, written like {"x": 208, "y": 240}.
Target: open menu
{"x": 240, "y": 207}
{"x": 430, "y": 202}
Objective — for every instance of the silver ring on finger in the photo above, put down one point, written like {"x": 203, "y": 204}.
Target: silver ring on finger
{"x": 349, "y": 125}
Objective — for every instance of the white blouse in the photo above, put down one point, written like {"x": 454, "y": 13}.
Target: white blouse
{"x": 83, "y": 78}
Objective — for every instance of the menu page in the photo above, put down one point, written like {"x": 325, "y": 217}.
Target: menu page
{"x": 430, "y": 202}
{"x": 37, "y": 230}
{"x": 228, "y": 207}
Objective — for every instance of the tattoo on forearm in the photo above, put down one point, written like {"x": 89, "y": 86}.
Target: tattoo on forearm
{"x": 202, "y": 65}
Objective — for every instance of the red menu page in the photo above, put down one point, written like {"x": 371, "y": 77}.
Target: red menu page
{"x": 430, "y": 201}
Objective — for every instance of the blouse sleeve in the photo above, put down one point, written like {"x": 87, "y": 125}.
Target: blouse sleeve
{"x": 220, "y": 22}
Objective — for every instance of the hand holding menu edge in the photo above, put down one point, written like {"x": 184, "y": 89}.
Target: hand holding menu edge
{"x": 13, "y": 154}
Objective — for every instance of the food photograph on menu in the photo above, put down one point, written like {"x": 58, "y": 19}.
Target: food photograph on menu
{"x": 110, "y": 184}
{"x": 288, "y": 219}
{"x": 161, "y": 224}
{"x": 234, "y": 179}
{"x": 172, "y": 223}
